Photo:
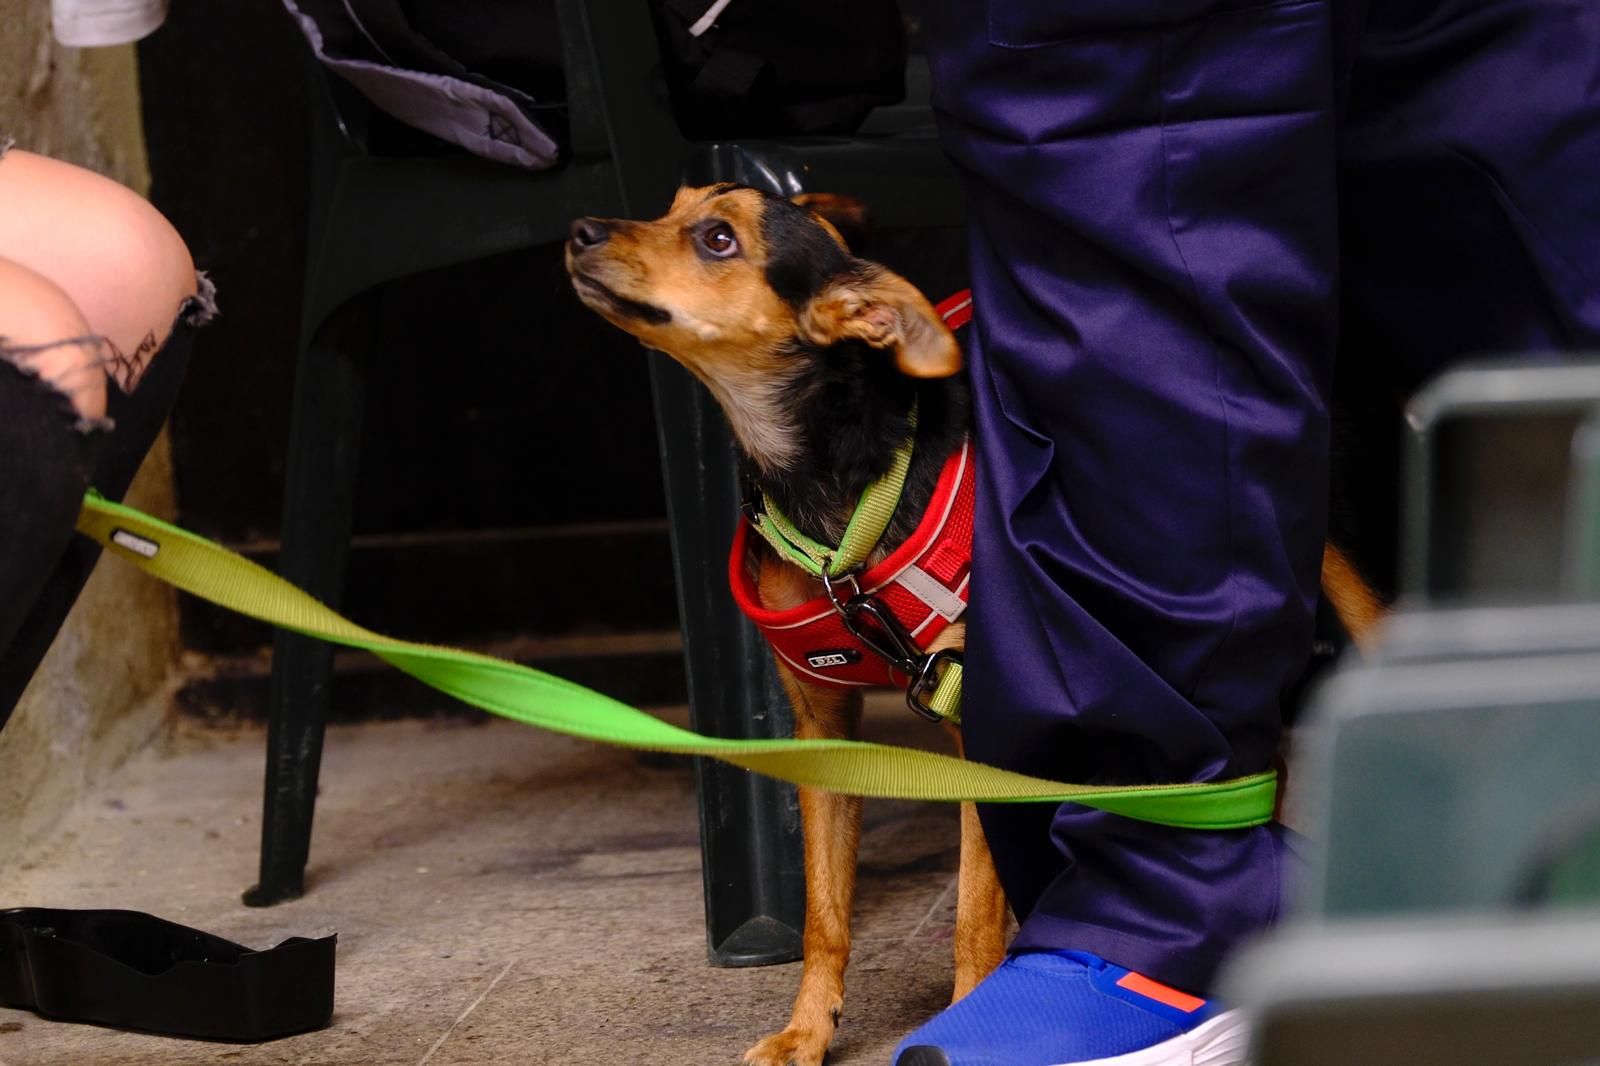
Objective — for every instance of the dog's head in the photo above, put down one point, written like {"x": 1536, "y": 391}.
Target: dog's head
{"x": 732, "y": 282}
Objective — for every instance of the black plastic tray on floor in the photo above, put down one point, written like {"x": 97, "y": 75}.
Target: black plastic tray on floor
{"x": 134, "y": 971}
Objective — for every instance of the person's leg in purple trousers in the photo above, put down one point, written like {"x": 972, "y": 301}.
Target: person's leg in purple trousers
{"x": 1153, "y": 254}
{"x": 1157, "y": 192}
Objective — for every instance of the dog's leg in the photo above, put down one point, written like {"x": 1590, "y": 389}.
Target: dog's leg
{"x": 1359, "y": 609}
{"x": 980, "y": 938}
{"x": 832, "y": 827}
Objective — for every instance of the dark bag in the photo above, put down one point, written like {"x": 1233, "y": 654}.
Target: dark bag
{"x": 484, "y": 75}
{"x": 770, "y": 67}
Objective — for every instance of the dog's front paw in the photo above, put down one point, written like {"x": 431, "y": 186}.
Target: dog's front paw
{"x": 792, "y": 1047}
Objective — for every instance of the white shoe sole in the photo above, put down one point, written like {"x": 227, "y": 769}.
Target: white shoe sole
{"x": 1222, "y": 1041}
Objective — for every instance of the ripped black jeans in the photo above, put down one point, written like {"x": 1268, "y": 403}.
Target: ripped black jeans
{"x": 48, "y": 457}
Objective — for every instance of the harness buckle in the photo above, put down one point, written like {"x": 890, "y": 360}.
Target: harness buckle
{"x": 845, "y": 605}
{"x": 927, "y": 680}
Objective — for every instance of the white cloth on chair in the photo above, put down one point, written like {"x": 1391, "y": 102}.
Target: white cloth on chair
{"x": 95, "y": 23}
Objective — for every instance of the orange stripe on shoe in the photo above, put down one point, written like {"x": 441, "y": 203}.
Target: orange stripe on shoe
{"x": 1171, "y": 997}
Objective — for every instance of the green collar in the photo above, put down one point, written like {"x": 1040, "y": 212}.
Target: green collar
{"x": 861, "y": 533}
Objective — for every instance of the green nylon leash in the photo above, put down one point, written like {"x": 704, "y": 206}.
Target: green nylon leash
{"x": 213, "y": 573}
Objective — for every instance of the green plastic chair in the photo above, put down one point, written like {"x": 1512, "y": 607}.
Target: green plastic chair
{"x": 375, "y": 219}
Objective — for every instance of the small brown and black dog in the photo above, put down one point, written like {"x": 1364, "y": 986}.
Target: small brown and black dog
{"x": 817, "y": 358}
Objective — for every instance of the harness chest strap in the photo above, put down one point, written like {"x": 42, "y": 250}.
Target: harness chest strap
{"x": 922, "y": 584}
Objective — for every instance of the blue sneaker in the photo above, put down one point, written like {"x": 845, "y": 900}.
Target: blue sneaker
{"x": 1055, "y": 1008}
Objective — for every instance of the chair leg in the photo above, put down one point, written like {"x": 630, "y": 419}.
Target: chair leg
{"x": 751, "y": 853}
{"x": 324, "y": 442}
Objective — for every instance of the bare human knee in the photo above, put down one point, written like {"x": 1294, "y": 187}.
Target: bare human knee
{"x": 141, "y": 243}
{"x": 116, "y": 257}
{"x": 43, "y": 332}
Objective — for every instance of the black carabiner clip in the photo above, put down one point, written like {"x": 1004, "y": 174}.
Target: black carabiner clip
{"x": 927, "y": 680}
{"x": 888, "y": 639}
{"x": 886, "y": 636}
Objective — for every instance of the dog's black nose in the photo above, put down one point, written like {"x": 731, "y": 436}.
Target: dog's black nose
{"x": 589, "y": 233}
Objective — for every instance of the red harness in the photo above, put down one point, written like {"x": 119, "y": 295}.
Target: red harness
{"x": 923, "y": 583}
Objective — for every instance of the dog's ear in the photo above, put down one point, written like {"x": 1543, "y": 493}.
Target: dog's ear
{"x": 883, "y": 309}
{"x": 847, "y": 215}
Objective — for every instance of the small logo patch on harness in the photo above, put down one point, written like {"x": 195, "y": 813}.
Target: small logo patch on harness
{"x": 832, "y": 657}
{"x": 134, "y": 543}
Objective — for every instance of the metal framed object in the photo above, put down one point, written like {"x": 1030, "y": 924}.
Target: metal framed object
{"x": 1456, "y": 771}
{"x": 625, "y": 157}
{"x": 1497, "y": 504}
{"x": 1507, "y": 991}
{"x": 1483, "y": 633}
{"x": 1581, "y": 559}
{"x": 1449, "y": 910}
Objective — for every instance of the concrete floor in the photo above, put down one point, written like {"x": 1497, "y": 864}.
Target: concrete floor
{"x": 501, "y": 895}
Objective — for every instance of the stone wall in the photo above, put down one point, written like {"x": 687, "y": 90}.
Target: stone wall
{"x": 103, "y": 690}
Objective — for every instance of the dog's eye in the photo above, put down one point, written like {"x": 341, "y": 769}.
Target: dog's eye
{"x": 718, "y": 239}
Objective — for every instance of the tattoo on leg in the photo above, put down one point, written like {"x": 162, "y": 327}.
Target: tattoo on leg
{"x": 126, "y": 368}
